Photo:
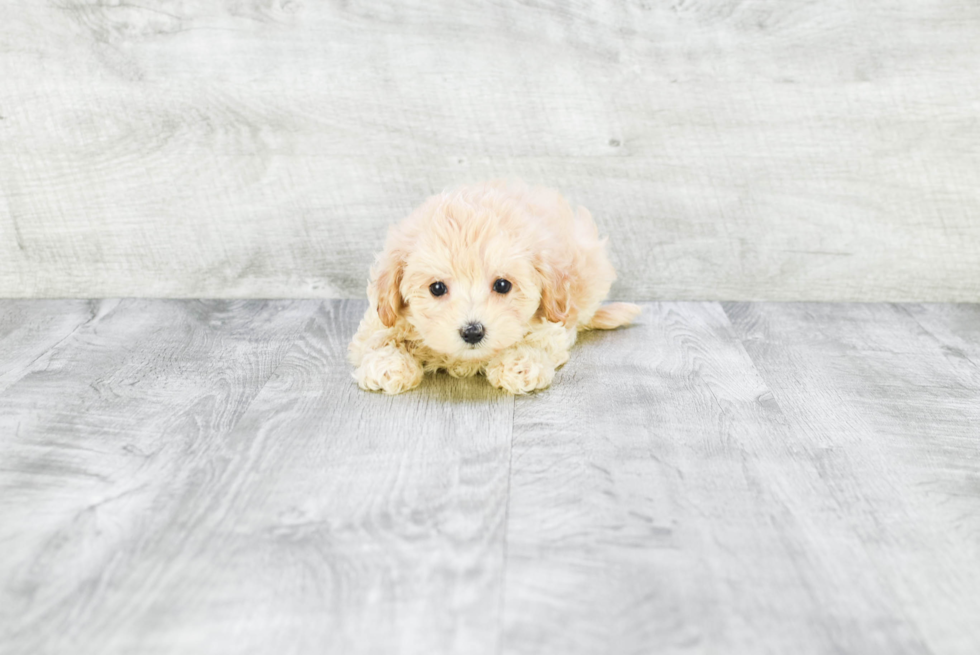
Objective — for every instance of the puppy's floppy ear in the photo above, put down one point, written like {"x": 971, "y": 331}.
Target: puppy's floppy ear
{"x": 556, "y": 305}
{"x": 386, "y": 278}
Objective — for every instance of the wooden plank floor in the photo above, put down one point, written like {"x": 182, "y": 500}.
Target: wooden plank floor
{"x": 204, "y": 477}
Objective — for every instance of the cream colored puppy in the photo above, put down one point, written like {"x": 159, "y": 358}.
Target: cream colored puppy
{"x": 491, "y": 279}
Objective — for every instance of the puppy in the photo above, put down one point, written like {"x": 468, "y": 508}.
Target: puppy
{"x": 495, "y": 279}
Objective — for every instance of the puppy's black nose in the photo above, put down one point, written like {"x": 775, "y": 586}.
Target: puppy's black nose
{"x": 472, "y": 333}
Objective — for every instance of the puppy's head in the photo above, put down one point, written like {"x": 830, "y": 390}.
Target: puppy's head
{"x": 470, "y": 273}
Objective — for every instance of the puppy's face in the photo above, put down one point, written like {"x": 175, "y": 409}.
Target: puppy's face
{"x": 470, "y": 275}
{"x": 469, "y": 295}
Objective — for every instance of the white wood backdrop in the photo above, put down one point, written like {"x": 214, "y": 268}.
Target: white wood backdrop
{"x": 741, "y": 149}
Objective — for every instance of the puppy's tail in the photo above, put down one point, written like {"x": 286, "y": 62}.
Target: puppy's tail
{"x": 612, "y": 316}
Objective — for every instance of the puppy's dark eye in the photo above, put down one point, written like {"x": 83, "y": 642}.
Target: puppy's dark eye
{"x": 437, "y": 289}
{"x": 501, "y": 286}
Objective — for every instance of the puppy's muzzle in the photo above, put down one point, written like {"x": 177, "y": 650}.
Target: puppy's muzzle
{"x": 472, "y": 333}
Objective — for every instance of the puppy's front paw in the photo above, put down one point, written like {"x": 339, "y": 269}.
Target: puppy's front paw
{"x": 389, "y": 370}
{"x": 521, "y": 371}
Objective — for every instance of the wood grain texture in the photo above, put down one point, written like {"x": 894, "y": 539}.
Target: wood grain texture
{"x": 205, "y": 477}
{"x": 32, "y": 330}
{"x": 110, "y": 437}
{"x": 805, "y": 481}
{"x": 186, "y": 478}
{"x": 732, "y": 149}
{"x": 890, "y": 414}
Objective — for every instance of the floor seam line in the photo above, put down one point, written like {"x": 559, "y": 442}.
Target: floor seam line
{"x": 501, "y": 603}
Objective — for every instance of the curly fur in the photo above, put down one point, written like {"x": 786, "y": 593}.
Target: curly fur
{"x": 467, "y": 239}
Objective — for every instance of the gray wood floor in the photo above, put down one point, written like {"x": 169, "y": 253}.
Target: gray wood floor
{"x": 204, "y": 477}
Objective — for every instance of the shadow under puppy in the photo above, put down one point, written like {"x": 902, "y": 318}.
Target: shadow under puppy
{"x": 495, "y": 279}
